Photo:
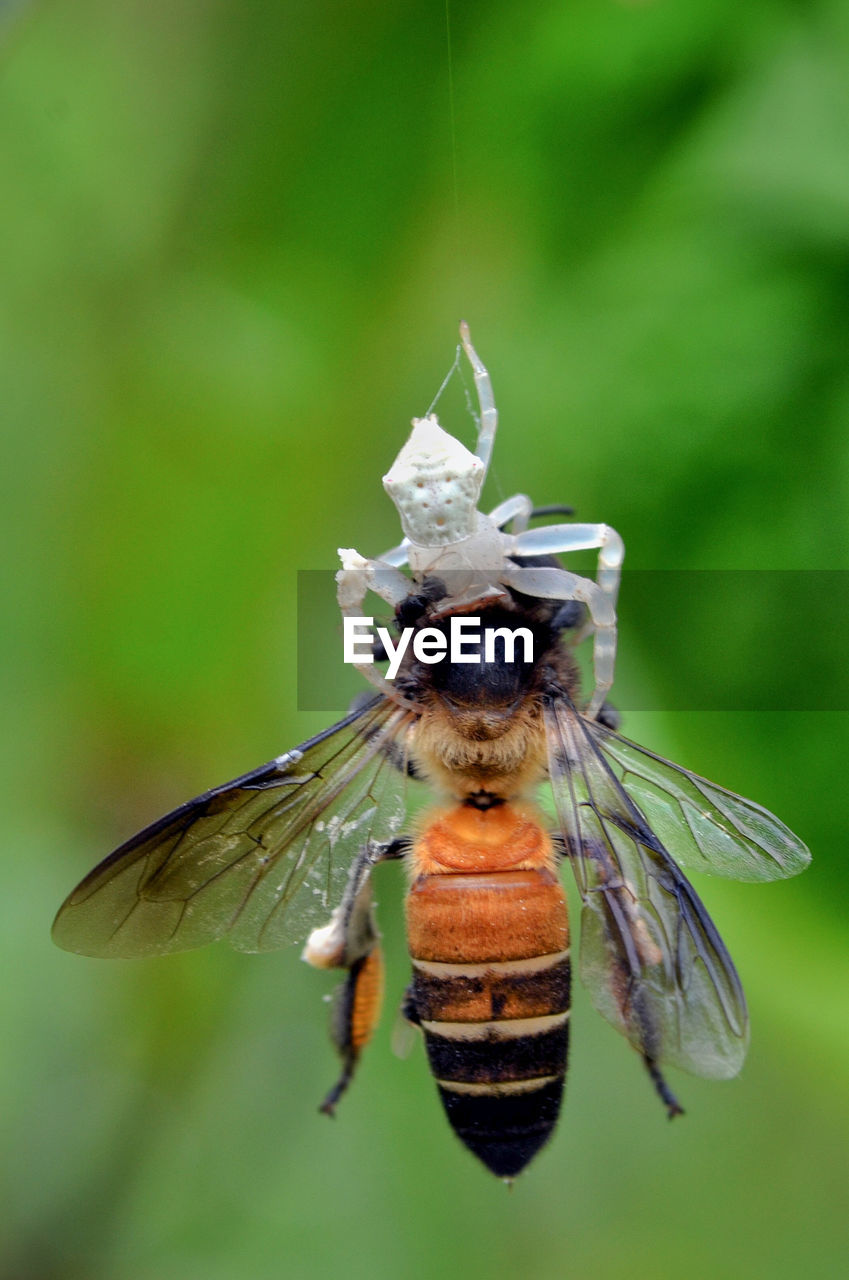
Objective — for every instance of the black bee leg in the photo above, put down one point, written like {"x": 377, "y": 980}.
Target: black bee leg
{"x": 552, "y": 509}
{"x": 408, "y": 1008}
{"x": 667, "y": 1097}
{"x": 569, "y": 616}
{"x": 609, "y": 716}
{"x": 410, "y": 610}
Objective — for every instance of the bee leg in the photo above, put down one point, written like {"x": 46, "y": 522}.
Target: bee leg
{"x": 552, "y": 509}
{"x": 419, "y": 601}
{"x": 667, "y": 1097}
{"x": 609, "y": 716}
{"x": 356, "y": 1013}
{"x": 569, "y": 617}
{"x": 409, "y": 1011}
{"x": 350, "y": 941}
{"x": 634, "y": 951}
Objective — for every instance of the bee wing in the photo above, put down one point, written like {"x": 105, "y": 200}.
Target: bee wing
{"x": 261, "y": 859}
{"x": 651, "y": 958}
{"x": 710, "y": 829}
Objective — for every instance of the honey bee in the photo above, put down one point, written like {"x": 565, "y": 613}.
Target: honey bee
{"x": 264, "y": 859}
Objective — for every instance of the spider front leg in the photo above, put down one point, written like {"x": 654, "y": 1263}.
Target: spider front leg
{"x": 555, "y": 539}
{"x": 354, "y": 580}
{"x": 558, "y": 584}
{"x": 486, "y": 399}
{"x": 396, "y": 556}
{"x": 518, "y": 509}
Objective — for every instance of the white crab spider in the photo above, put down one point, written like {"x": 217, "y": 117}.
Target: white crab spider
{"x": 435, "y": 483}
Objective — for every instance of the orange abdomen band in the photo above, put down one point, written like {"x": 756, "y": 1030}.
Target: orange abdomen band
{"x": 504, "y": 915}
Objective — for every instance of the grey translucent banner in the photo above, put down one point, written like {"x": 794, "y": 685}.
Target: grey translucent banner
{"x": 689, "y": 640}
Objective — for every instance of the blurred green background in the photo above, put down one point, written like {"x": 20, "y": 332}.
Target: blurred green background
{"x": 237, "y": 240}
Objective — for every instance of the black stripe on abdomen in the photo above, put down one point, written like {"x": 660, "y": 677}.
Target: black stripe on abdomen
{"x": 513, "y": 989}
{"x": 497, "y": 1052}
{"x": 504, "y": 1129}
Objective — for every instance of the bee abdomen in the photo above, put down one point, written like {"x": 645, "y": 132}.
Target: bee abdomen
{"x": 491, "y": 978}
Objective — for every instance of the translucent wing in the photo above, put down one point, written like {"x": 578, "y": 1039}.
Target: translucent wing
{"x": 651, "y": 957}
{"x": 706, "y": 827}
{"x": 261, "y": 859}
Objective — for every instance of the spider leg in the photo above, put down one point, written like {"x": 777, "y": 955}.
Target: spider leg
{"x": 354, "y": 580}
{"x": 486, "y": 399}
{"x": 396, "y": 556}
{"x": 554, "y": 539}
{"x": 518, "y": 509}
{"x": 558, "y": 584}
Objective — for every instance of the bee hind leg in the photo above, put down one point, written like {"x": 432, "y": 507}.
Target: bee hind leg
{"x": 667, "y": 1097}
{"x": 350, "y": 941}
{"x": 356, "y": 1014}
